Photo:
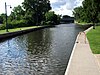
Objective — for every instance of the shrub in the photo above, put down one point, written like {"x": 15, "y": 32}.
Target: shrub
{"x": 2, "y": 27}
{"x": 48, "y": 23}
{"x": 14, "y": 24}
{"x": 17, "y": 24}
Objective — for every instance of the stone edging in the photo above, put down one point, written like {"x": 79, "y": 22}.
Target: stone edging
{"x": 13, "y": 34}
{"x": 87, "y": 30}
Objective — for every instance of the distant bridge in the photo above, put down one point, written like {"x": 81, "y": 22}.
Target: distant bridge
{"x": 67, "y": 19}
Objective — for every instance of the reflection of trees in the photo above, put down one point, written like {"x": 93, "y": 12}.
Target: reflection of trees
{"x": 39, "y": 41}
{"x": 37, "y": 46}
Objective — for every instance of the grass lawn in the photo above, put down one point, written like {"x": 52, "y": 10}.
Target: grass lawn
{"x": 18, "y": 29}
{"x": 94, "y": 39}
{"x": 84, "y": 23}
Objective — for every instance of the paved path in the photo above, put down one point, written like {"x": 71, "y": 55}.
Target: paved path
{"x": 97, "y": 56}
{"x": 82, "y": 61}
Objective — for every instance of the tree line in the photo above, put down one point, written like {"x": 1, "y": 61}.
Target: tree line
{"x": 31, "y": 13}
{"x": 89, "y": 12}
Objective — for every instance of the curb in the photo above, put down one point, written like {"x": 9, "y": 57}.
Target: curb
{"x": 66, "y": 72}
{"x": 86, "y": 31}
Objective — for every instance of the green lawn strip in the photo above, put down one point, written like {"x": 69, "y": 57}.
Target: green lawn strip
{"x": 84, "y": 23}
{"x": 94, "y": 39}
{"x": 18, "y": 29}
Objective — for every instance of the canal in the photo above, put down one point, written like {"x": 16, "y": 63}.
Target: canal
{"x": 42, "y": 52}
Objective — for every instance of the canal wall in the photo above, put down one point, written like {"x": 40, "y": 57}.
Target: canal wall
{"x": 82, "y": 61}
{"x": 13, "y": 34}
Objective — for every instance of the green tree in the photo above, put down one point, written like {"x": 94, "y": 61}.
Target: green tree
{"x": 35, "y": 10}
{"x": 2, "y": 18}
{"x": 92, "y": 10}
{"x": 17, "y": 13}
{"x": 88, "y": 12}
{"x": 52, "y": 18}
{"x": 16, "y": 18}
{"x": 79, "y": 14}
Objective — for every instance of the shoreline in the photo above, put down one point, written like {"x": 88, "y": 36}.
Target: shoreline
{"x": 76, "y": 63}
{"x": 17, "y": 33}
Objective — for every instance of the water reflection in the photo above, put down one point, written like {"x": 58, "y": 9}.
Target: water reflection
{"x": 43, "y": 52}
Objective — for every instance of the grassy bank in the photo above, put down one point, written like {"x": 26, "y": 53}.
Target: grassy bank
{"x": 94, "y": 39}
{"x": 83, "y": 23}
{"x": 18, "y": 29}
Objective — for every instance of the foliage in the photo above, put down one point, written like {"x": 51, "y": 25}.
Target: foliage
{"x": 17, "y": 23}
{"x": 32, "y": 12}
{"x": 88, "y": 12}
{"x": 17, "y": 13}
{"x": 79, "y": 14}
{"x": 14, "y": 24}
{"x": 2, "y": 27}
{"x": 2, "y": 18}
{"x": 52, "y": 18}
{"x": 35, "y": 10}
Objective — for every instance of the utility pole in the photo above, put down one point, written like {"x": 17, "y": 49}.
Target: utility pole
{"x": 6, "y": 16}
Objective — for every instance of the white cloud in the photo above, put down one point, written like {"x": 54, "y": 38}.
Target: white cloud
{"x": 65, "y": 7}
{"x": 13, "y": 3}
{"x": 63, "y": 11}
{"x": 53, "y": 1}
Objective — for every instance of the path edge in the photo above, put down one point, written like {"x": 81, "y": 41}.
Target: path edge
{"x": 86, "y": 31}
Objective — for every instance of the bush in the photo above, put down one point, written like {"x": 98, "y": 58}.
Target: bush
{"x": 2, "y": 27}
{"x": 17, "y": 24}
{"x": 14, "y": 24}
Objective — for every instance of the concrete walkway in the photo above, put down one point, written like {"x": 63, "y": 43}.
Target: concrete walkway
{"x": 82, "y": 61}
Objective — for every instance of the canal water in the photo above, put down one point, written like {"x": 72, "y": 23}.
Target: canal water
{"x": 42, "y": 52}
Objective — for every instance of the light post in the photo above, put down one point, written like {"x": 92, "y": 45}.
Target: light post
{"x": 6, "y": 15}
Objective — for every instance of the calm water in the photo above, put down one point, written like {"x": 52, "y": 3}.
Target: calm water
{"x": 42, "y": 52}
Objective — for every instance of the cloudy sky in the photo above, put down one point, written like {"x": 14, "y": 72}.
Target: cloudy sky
{"x": 63, "y": 7}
